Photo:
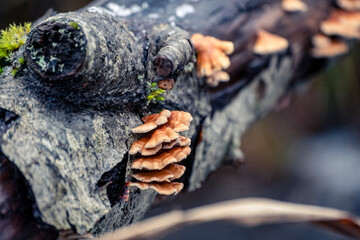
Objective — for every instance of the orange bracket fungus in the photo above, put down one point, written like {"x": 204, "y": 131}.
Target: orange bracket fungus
{"x": 161, "y": 150}
{"x": 152, "y": 122}
{"x": 294, "y": 5}
{"x": 267, "y": 43}
{"x": 327, "y": 47}
{"x": 159, "y": 161}
{"x": 212, "y": 58}
{"x": 167, "y": 174}
{"x": 181, "y": 141}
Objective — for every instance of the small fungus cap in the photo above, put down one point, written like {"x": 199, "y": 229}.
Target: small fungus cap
{"x": 337, "y": 24}
{"x": 267, "y": 43}
{"x": 152, "y": 121}
{"x": 179, "y": 121}
{"x": 294, "y": 6}
{"x": 350, "y": 5}
{"x": 158, "y": 162}
{"x": 181, "y": 141}
{"x": 139, "y": 147}
{"x": 161, "y": 135}
{"x": 167, "y": 174}
{"x": 327, "y": 47}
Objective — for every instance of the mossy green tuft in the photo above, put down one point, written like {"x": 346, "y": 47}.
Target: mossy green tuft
{"x": 74, "y": 25}
{"x": 155, "y": 93}
{"x": 11, "y": 39}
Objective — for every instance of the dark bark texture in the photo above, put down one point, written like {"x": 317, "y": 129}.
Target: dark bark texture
{"x": 66, "y": 116}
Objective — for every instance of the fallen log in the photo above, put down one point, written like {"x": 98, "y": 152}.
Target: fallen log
{"x": 85, "y": 83}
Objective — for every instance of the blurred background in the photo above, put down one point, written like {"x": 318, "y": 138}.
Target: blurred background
{"x": 307, "y": 153}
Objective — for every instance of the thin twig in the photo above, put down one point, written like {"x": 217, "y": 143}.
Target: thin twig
{"x": 247, "y": 212}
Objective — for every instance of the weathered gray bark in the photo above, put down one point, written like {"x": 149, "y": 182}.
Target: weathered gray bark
{"x": 73, "y": 130}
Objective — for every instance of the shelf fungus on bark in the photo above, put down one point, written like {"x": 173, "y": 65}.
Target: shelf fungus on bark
{"x": 340, "y": 23}
{"x": 294, "y": 6}
{"x": 167, "y": 174}
{"x": 326, "y": 47}
{"x": 267, "y": 43}
{"x": 350, "y": 5}
{"x": 181, "y": 141}
{"x": 139, "y": 147}
{"x": 179, "y": 121}
{"x": 156, "y": 171}
{"x": 152, "y": 121}
{"x": 212, "y": 58}
{"x": 159, "y": 161}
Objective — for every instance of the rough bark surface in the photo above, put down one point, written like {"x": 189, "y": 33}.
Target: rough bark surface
{"x": 72, "y": 129}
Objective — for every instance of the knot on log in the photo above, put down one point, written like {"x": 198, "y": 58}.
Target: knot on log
{"x": 56, "y": 49}
{"x": 86, "y": 54}
{"x": 175, "y": 51}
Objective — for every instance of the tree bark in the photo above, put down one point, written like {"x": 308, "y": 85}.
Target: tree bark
{"x": 84, "y": 88}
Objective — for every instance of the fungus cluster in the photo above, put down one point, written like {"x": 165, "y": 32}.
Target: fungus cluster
{"x": 350, "y": 5}
{"x": 161, "y": 149}
{"x": 212, "y": 58}
{"x": 340, "y": 25}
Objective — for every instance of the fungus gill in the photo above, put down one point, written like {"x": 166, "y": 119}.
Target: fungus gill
{"x": 161, "y": 149}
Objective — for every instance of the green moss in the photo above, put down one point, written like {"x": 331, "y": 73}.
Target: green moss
{"x": 74, "y": 25}
{"x": 1, "y": 70}
{"x": 155, "y": 93}
{"x": 21, "y": 60}
{"x": 14, "y": 71}
{"x": 11, "y": 39}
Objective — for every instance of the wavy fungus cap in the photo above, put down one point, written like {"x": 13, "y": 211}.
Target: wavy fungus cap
{"x": 294, "y": 6}
{"x": 167, "y": 174}
{"x": 164, "y": 188}
{"x": 267, "y": 43}
{"x": 327, "y": 47}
